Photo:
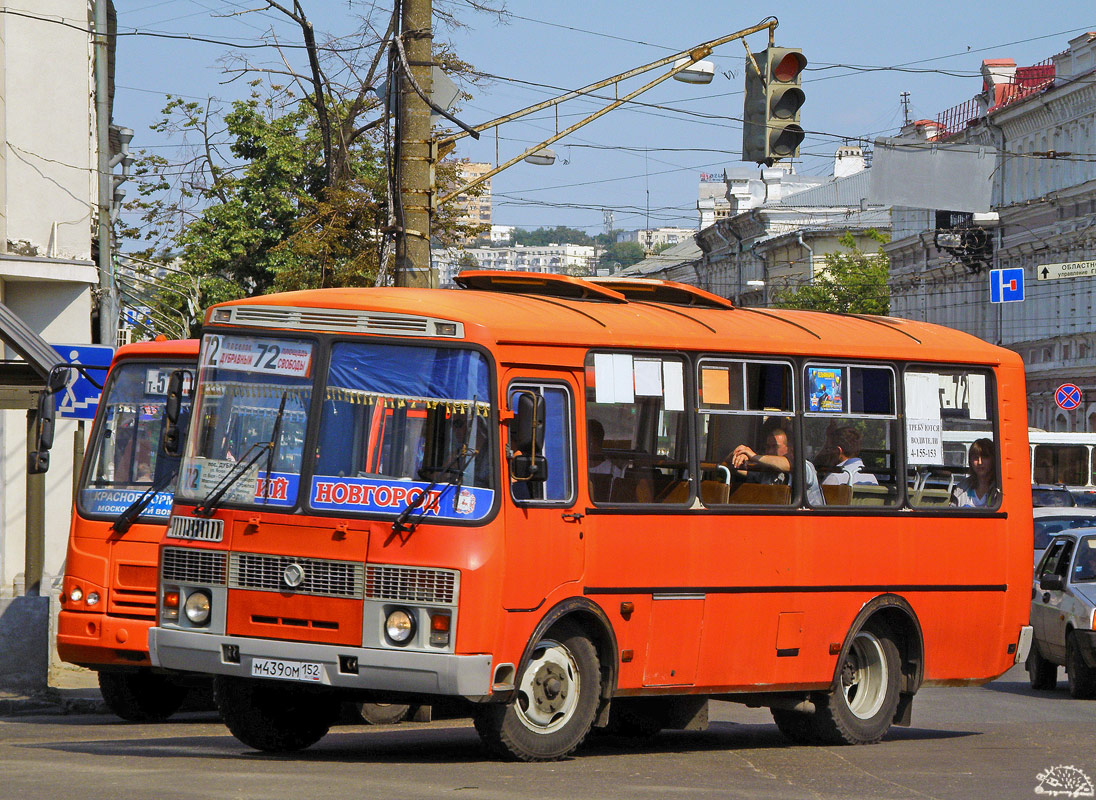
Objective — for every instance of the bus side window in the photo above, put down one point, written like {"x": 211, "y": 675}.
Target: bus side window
{"x": 952, "y": 455}
{"x": 558, "y": 450}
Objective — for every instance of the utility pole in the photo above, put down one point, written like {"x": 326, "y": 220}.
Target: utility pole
{"x": 416, "y": 163}
{"x": 905, "y": 107}
{"x": 108, "y": 296}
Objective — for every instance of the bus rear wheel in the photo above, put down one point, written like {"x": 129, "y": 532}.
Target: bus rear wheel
{"x": 555, "y": 701}
{"x": 860, "y": 710}
{"x": 273, "y": 718}
{"x": 797, "y": 726}
{"x": 141, "y": 696}
{"x": 384, "y": 713}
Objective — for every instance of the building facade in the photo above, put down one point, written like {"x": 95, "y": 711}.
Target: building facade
{"x": 48, "y": 212}
{"x": 1041, "y": 120}
{"x": 562, "y": 259}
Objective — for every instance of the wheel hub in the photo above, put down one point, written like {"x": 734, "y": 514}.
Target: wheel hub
{"x": 550, "y": 687}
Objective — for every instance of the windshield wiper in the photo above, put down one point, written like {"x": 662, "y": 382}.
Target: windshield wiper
{"x": 137, "y": 507}
{"x": 209, "y": 504}
{"x": 400, "y": 524}
{"x": 469, "y": 436}
{"x": 275, "y": 436}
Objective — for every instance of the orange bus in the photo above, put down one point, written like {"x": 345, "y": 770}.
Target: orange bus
{"x": 590, "y": 503}
{"x": 108, "y": 597}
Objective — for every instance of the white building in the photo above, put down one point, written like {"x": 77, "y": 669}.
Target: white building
{"x": 48, "y": 201}
{"x": 651, "y": 238}
{"x": 1036, "y": 116}
{"x": 563, "y": 259}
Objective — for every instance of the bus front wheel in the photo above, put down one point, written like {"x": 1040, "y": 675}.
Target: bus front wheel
{"x": 141, "y": 696}
{"x": 554, "y": 704}
{"x": 273, "y": 718}
{"x": 861, "y": 708}
{"x": 1042, "y": 674}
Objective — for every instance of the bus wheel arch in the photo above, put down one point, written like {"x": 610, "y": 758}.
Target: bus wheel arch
{"x": 562, "y": 685}
{"x": 878, "y": 670}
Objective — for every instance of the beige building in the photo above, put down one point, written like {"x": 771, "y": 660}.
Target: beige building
{"x": 475, "y": 210}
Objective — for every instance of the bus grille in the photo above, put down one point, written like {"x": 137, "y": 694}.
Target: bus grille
{"x": 329, "y": 319}
{"x": 205, "y": 530}
{"x": 266, "y": 573}
{"x": 182, "y": 565}
{"x": 411, "y": 584}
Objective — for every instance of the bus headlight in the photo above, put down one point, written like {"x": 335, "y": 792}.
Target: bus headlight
{"x": 400, "y": 626}
{"x": 93, "y": 598}
{"x": 197, "y": 608}
{"x": 76, "y": 595}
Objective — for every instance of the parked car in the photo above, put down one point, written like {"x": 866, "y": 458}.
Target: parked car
{"x": 1052, "y": 520}
{"x": 1046, "y": 494}
{"x": 1084, "y": 497}
{"x": 1063, "y": 601}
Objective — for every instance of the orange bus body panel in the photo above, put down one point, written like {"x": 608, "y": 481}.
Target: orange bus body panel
{"x": 121, "y": 569}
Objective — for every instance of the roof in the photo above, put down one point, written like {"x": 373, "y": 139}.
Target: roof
{"x": 164, "y": 348}
{"x": 527, "y": 320}
{"x": 685, "y": 252}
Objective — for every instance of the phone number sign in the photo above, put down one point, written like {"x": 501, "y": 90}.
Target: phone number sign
{"x": 250, "y": 354}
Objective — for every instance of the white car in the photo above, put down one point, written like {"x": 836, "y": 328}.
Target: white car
{"x": 1051, "y": 520}
{"x": 1063, "y": 601}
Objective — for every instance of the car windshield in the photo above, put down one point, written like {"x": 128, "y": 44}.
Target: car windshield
{"x": 1047, "y": 527}
{"x": 1084, "y": 562}
{"x": 400, "y": 420}
{"x": 1051, "y": 497}
{"x": 248, "y": 388}
{"x": 124, "y": 457}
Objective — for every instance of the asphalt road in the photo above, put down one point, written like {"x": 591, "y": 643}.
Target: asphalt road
{"x": 989, "y": 742}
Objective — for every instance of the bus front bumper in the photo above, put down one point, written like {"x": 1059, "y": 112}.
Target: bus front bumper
{"x": 381, "y": 670}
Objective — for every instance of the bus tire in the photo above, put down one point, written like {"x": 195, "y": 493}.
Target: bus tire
{"x": 141, "y": 696}
{"x": 860, "y": 710}
{"x": 797, "y": 726}
{"x": 274, "y": 719}
{"x": 1080, "y": 677}
{"x": 554, "y": 704}
{"x": 1042, "y": 674}
{"x": 384, "y": 713}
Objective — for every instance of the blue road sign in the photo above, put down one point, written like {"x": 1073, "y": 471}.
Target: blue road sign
{"x": 1006, "y": 285}
{"x": 80, "y": 397}
{"x": 1068, "y": 397}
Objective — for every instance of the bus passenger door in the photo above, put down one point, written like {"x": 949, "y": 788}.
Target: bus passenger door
{"x": 544, "y": 545}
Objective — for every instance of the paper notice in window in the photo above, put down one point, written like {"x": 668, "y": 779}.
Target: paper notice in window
{"x": 715, "y": 386}
{"x": 673, "y": 379}
{"x": 648, "y": 374}
{"x": 623, "y": 381}
{"x": 976, "y": 386}
{"x": 604, "y": 391}
{"x": 924, "y": 441}
{"x": 922, "y": 396}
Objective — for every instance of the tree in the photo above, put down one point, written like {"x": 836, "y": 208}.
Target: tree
{"x": 623, "y": 253}
{"x": 545, "y": 236}
{"x": 288, "y": 189}
{"x": 852, "y": 282}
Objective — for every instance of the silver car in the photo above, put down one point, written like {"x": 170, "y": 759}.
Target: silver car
{"x": 1063, "y": 599}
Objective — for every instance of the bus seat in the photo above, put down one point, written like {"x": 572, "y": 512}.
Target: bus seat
{"x": 761, "y": 494}
{"x": 714, "y": 493}
{"x": 677, "y": 492}
{"x": 930, "y": 497}
{"x": 868, "y": 494}
{"x": 600, "y": 486}
{"x": 837, "y": 494}
{"x": 623, "y": 490}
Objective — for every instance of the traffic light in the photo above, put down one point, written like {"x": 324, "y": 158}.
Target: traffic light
{"x": 770, "y": 114}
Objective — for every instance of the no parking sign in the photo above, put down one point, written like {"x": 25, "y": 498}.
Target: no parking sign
{"x": 1068, "y": 397}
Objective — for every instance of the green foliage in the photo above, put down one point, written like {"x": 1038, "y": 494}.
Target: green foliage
{"x": 852, "y": 282}
{"x": 623, "y": 253}
{"x": 546, "y": 236}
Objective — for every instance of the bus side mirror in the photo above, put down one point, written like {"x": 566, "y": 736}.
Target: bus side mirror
{"x": 38, "y": 459}
{"x": 172, "y": 443}
{"x": 527, "y": 462}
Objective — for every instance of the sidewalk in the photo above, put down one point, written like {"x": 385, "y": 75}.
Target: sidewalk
{"x": 71, "y": 690}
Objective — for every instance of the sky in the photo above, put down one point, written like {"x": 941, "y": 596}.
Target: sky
{"x": 642, "y": 163}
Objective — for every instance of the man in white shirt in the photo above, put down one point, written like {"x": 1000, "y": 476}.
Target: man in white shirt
{"x": 850, "y": 467}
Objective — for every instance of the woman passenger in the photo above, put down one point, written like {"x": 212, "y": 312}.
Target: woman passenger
{"x": 979, "y": 489}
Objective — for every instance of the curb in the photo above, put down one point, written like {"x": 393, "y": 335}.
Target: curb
{"x": 50, "y": 702}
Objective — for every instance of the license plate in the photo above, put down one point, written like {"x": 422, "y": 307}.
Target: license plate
{"x": 286, "y": 670}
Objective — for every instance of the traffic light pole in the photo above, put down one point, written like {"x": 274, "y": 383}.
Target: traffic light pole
{"x": 416, "y": 166}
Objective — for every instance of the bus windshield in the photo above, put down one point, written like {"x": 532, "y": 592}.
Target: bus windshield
{"x": 250, "y": 388}
{"x": 398, "y": 421}
{"x": 124, "y": 459}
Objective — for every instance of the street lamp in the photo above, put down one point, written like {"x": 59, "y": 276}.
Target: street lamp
{"x": 542, "y": 157}
{"x": 694, "y": 71}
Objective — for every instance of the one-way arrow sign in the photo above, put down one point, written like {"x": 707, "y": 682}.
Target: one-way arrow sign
{"x": 1074, "y": 269}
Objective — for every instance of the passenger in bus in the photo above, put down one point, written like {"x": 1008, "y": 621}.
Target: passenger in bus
{"x": 979, "y": 489}
{"x": 849, "y": 467}
{"x": 774, "y": 465}
{"x": 600, "y": 464}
